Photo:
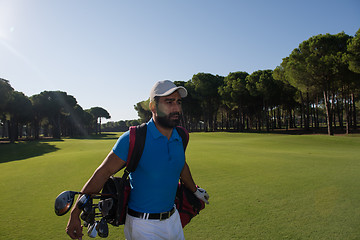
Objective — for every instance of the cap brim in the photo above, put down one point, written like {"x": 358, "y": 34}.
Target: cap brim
{"x": 182, "y": 91}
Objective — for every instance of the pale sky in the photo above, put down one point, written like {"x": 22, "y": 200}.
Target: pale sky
{"x": 110, "y": 53}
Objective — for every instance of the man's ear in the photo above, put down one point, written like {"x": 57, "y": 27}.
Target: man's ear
{"x": 152, "y": 106}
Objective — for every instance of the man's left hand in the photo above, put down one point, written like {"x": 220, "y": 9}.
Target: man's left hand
{"x": 202, "y": 195}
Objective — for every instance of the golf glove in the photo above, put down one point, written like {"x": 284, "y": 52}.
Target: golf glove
{"x": 202, "y": 195}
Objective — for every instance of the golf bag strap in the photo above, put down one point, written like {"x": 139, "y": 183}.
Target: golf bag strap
{"x": 184, "y": 134}
{"x": 136, "y": 146}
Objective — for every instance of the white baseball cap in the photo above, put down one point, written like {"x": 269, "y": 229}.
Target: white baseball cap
{"x": 165, "y": 88}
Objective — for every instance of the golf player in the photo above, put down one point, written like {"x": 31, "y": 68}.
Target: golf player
{"x": 155, "y": 180}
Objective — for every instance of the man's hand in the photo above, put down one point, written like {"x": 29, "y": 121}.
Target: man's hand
{"x": 74, "y": 228}
{"x": 202, "y": 195}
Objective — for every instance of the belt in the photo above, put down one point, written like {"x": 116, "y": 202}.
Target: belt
{"x": 159, "y": 216}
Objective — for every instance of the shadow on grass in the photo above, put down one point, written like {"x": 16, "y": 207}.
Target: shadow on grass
{"x": 23, "y": 150}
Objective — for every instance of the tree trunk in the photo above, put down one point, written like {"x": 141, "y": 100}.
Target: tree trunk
{"x": 12, "y": 130}
{"x": 279, "y": 117}
{"x": 353, "y": 111}
{"x": 96, "y": 126}
{"x": 99, "y": 125}
{"x": 301, "y": 110}
{"x": 4, "y": 129}
{"x": 328, "y": 113}
{"x": 267, "y": 123}
{"x": 227, "y": 121}
{"x": 222, "y": 121}
{"x": 347, "y": 106}
{"x": 313, "y": 116}
{"x": 20, "y": 130}
{"x": 317, "y": 113}
{"x": 36, "y": 129}
{"x": 9, "y": 130}
{"x": 56, "y": 127}
{"x": 339, "y": 109}
{"x": 242, "y": 119}
{"x": 307, "y": 114}
{"x": 291, "y": 122}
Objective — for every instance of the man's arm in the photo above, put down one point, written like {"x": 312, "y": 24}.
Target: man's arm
{"x": 188, "y": 181}
{"x": 111, "y": 164}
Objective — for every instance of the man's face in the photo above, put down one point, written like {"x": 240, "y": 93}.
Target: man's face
{"x": 168, "y": 110}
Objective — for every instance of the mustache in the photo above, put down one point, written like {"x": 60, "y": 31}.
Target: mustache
{"x": 175, "y": 114}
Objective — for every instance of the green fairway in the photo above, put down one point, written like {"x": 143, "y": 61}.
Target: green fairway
{"x": 261, "y": 186}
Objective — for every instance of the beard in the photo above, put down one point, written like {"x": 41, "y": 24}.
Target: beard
{"x": 166, "y": 121}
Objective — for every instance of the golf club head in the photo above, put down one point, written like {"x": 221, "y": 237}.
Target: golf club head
{"x": 86, "y": 224}
{"x": 92, "y": 230}
{"x": 88, "y": 209}
{"x": 84, "y": 201}
{"x": 105, "y": 206}
{"x": 88, "y": 217}
{"x": 64, "y": 202}
{"x": 102, "y": 228}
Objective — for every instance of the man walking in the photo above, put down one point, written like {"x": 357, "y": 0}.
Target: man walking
{"x": 155, "y": 180}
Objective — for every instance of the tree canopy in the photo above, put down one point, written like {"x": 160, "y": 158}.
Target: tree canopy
{"x": 354, "y": 53}
{"x": 98, "y": 113}
{"x": 318, "y": 66}
{"x": 51, "y": 113}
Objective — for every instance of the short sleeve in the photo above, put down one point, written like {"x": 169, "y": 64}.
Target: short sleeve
{"x": 121, "y": 147}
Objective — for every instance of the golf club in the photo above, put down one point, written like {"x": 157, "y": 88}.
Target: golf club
{"x": 88, "y": 217}
{"x": 105, "y": 206}
{"x": 84, "y": 201}
{"x": 88, "y": 209}
{"x": 86, "y": 224}
{"x": 102, "y": 228}
{"x": 64, "y": 202}
{"x": 92, "y": 230}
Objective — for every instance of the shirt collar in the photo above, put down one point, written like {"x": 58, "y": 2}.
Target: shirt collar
{"x": 156, "y": 134}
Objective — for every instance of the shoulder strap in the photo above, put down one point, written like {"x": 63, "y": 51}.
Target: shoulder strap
{"x": 184, "y": 134}
{"x": 137, "y": 143}
{"x": 136, "y": 146}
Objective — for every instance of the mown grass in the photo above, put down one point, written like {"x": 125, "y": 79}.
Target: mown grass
{"x": 261, "y": 186}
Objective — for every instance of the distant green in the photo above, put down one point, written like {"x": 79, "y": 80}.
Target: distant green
{"x": 261, "y": 186}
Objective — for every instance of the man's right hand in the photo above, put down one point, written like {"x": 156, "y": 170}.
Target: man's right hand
{"x": 74, "y": 228}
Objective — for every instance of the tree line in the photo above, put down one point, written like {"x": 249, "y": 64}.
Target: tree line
{"x": 49, "y": 113}
{"x": 316, "y": 86}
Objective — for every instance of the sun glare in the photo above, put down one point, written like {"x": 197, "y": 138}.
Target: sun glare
{"x": 7, "y": 19}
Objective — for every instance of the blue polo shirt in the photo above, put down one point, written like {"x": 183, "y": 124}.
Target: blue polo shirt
{"x": 154, "y": 182}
